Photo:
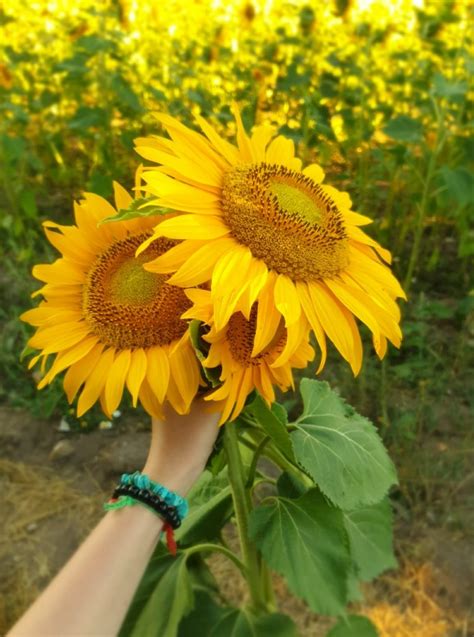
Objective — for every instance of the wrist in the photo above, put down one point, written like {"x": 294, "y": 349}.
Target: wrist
{"x": 178, "y": 478}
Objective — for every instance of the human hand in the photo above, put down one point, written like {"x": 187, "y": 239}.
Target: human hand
{"x": 180, "y": 446}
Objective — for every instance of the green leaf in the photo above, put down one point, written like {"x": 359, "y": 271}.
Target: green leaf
{"x": 125, "y": 94}
{"x": 447, "y": 88}
{"x": 28, "y": 204}
{"x": 100, "y": 183}
{"x": 272, "y": 425}
{"x": 459, "y": 184}
{"x": 136, "y": 209}
{"x": 161, "y": 560}
{"x": 88, "y": 117}
{"x": 304, "y": 540}
{"x": 210, "y": 508}
{"x": 241, "y": 623}
{"x": 353, "y": 626}
{"x": 404, "y": 129}
{"x": 340, "y": 449}
{"x": 172, "y": 598}
{"x": 370, "y": 539}
{"x": 289, "y": 486}
{"x": 205, "y": 616}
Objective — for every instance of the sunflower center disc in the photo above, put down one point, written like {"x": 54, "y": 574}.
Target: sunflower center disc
{"x": 241, "y": 334}
{"x": 128, "y": 307}
{"x": 286, "y": 219}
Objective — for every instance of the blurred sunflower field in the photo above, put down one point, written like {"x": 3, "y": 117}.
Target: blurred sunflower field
{"x": 378, "y": 92}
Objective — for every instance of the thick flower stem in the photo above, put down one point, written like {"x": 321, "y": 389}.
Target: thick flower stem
{"x": 242, "y": 507}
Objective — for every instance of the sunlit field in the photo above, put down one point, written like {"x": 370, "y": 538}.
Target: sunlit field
{"x": 379, "y": 93}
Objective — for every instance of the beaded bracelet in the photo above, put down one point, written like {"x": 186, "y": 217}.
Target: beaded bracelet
{"x": 137, "y": 488}
{"x": 142, "y": 481}
{"x": 165, "y": 511}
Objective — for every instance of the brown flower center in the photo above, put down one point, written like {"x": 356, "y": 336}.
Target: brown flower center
{"x": 128, "y": 307}
{"x": 241, "y": 334}
{"x": 286, "y": 219}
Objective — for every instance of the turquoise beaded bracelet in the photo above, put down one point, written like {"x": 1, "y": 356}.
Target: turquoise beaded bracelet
{"x": 142, "y": 481}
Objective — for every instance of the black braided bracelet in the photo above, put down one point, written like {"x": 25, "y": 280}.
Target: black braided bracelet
{"x": 164, "y": 510}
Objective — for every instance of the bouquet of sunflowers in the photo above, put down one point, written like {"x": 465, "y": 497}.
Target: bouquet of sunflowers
{"x": 230, "y": 267}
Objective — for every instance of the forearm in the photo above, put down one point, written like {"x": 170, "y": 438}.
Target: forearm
{"x": 92, "y": 593}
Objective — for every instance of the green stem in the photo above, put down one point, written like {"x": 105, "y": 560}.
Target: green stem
{"x": 217, "y": 548}
{"x": 423, "y": 206}
{"x": 256, "y": 456}
{"x": 383, "y": 395}
{"x": 242, "y": 507}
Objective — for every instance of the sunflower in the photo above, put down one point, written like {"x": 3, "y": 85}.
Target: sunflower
{"x": 106, "y": 320}
{"x": 231, "y": 349}
{"x": 261, "y": 227}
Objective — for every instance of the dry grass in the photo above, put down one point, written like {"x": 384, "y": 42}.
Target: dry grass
{"x": 410, "y": 607}
{"x": 44, "y": 517}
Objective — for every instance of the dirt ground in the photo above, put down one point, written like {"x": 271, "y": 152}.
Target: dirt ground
{"x": 53, "y": 484}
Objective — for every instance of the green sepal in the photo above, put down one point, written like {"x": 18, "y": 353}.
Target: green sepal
{"x": 201, "y": 349}
{"x": 138, "y": 208}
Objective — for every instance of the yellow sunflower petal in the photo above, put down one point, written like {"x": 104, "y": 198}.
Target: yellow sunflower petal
{"x": 61, "y": 271}
{"x": 232, "y": 397}
{"x": 362, "y": 265}
{"x": 296, "y": 334}
{"x": 192, "y": 145}
{"x": 280, "y": 151}
{"x": 77, "y": 251}
{"x": 68, "y": 358}
{"x": 314, "y": 172}
{"x": 136, "y": 373}
{"x": 287, "y": 300}
{"x": 95, "y": 382}
{"x": 199, "y": 266}
{"x": 258, "y": 277}
{"x": 360, "y": 304}
{"x": 264, "y": 383}
{"x": 175, "y": 399}
{"x": 158, "y": 372}
{"x": 59, "y": 337}
{"x": 355, "y": 218}
{"x": 116, "y": 380}
{"x": 308, "y": 309}
{"x": 243, "y": 140}
{"x": 261, "y": 135}
{"x": 268, "y": 320}
{"x": 227, "y": 150}
{"x": 150, "y": 402}
{"x": 121, "y": 196}
{"x": 78, "y": 372}
{"x": 334, "y": 322}
{"x": 185, "y": 372}
{"x": 246, "y": 386}
{"x": 192, "y": 226}
{"x": 229, "y": 282}
{"x": 359, "y": 235}
{"x": 184, "y": 167}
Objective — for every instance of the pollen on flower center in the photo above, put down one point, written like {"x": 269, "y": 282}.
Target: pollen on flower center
{"x": 128, "y": 307}
{"x": 286, "y": 219}
{"x": 241, "y": 334}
